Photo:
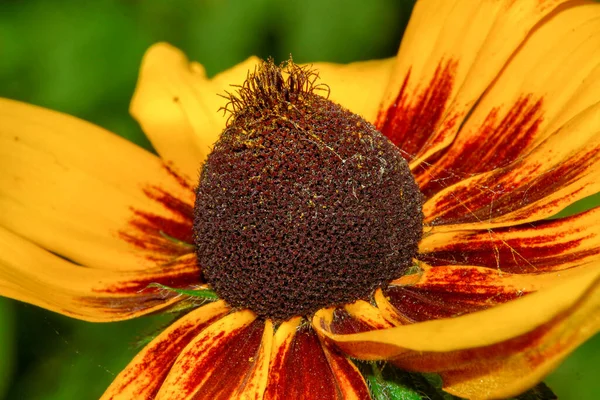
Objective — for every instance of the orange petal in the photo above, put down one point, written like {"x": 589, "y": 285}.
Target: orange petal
{"x": 450, "y": 291}
{"x": 178, "y": 106}
{"x": 560, "y": 171}
{"x": 552, "y": 77}
{"x": 444, "y": 65}
{"x": 495, "y": 353}
{"x": 226, "y": 360}
{"x": 31, "y": 274}
{"x": 144, "y": 375}
{"x": 300, "y": 365}
{"x": 532, "y": 248}
{"x": 86, "y": 194}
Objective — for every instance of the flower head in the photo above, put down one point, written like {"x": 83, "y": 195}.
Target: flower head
{"x": 302, "y": 204}
{"x": 307, "y": 223}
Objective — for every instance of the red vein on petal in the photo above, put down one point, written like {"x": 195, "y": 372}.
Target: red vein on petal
{"x": 512, "y": 188}
{"x": 498, "y": 142}
{"x": 156, "y": 233}
{"x": 303, "y": 370}
{"x": 144, "y": 376}
{"x": 351, "y": 383}
{"x": 161, "y": 355}
{"x": 229, "y": 363}
{"x": 135, "y": 295}
{"x": 412, "y": 118}
{"x": 556, "y": 245}
{"x": 535, "y": 347}
{"x": 450, "y": 293}
{"x": 181, "y": 273}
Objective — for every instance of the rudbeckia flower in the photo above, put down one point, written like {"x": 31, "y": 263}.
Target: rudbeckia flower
{"x": 395, "y": 210}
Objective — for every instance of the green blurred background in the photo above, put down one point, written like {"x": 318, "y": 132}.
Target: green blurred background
{"x": 83, "y": 59}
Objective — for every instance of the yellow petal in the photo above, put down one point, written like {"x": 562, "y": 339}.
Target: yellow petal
{"x": 357, "y": 86}
{"x": 177, "y": 106}
{"x": 495, "y": 353}
{"x": 218, "y": 363}
{"x": 31, "y": 274}
{"x": 561, "y": 170}
{"x": 444, "y": 65}
{"x": 554, "y": 76}
{"x": 86, "y": 194}
{"x": 144, "y": 375}
{"x": 531, "y": 248}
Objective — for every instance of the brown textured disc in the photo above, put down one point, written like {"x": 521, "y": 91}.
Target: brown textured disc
{"x": 302, "y": 204}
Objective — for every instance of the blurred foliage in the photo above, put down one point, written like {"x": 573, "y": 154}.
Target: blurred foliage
{"x": 7, "y": 344}
{"x": 83, "y": 58}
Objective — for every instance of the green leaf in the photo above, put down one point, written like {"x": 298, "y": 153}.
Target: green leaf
{"x": 205, "y": 294}
{"x": 7, "y": 344}
{"x": 390, "y": 383}
{"x": 540, "y": 392}
{"x": 176, "y": 241}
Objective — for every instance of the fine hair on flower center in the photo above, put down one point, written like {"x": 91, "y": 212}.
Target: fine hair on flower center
{"x": 302, "y": 204}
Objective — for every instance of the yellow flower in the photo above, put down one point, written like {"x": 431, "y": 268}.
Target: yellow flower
{"x": 496, "y": 107}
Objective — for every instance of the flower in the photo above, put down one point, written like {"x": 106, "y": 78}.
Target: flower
{"x": 499, "y": 120}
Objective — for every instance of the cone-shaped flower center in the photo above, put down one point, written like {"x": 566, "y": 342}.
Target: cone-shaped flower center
{"x": 302, "y": 204}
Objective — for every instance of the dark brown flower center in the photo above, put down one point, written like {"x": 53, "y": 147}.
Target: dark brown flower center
{"x": 302, "y": 204}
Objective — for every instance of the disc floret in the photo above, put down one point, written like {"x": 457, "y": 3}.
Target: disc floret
{"x": 302, "y": 204}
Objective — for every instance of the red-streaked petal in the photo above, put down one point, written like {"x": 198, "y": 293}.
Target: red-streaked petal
{"x": 560, "y": 171}
{"x": 300, "y": 367}
{"x": 509, "y": 368}
{"x": 532, "y": 248}
{"x": 496, "y": 353}
{"x": 350, "y": 382}
{"x": 444, "y": 65}
{"x": 357, "y": 317}
{"x": 144, "y": 375}
{"x": 451, "y": 291}
{"x": 31, "y": 274}
{"x": 550, "y": 79}
{"x": 86, "y": 194}
{"x": 220, "y": 361}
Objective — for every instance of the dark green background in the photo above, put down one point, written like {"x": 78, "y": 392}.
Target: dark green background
{"x": 83, "y": 59}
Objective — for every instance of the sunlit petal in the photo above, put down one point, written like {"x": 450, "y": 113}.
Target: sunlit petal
{"x": 357, "y": 86}
{"x": 553, "y": 76}
{"x": 34, "y": 275}
{"x": 531, "y": 248}
{"x": 495, "y": 353}
{"x": 300, "y": 365}
{"x": 177, "y": 105}
{"x": 144, "y": 375}
{"x": 451, "y": 291}
{"x": 445, "y": 64}
{"x": 221, "y": 362}
{"x": 561, "y": 170}
{"x": 86, "y": 194}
